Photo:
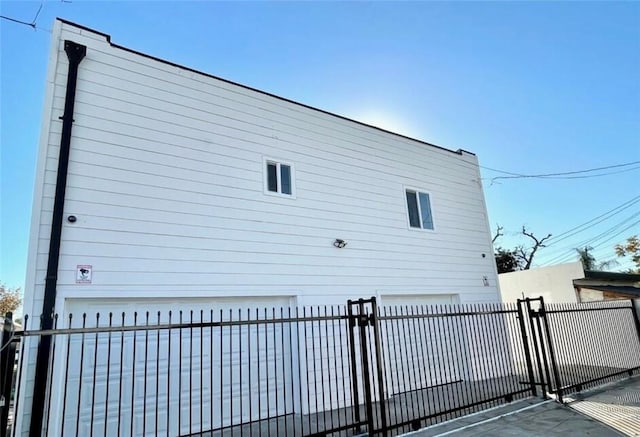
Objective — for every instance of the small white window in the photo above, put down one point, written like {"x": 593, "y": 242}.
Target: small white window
{"x": 419, "y": 209}
{"x": 278, "y": 178}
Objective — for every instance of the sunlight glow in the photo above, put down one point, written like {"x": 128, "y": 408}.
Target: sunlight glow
{"x": 385, "y": 121}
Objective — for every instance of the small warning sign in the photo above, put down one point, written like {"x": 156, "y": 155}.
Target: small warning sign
{"x": 83, "y": 274}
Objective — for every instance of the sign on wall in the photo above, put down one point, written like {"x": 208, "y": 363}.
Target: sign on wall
{"x": 83, "y": 274}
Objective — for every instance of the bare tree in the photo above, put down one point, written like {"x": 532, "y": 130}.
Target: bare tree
{"x": 499, "y": 233}
{"x": 525, "y": 255}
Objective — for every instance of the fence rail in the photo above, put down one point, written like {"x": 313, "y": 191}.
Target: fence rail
{"x": 312, "y": 371}
{"x": 593, "y": 342}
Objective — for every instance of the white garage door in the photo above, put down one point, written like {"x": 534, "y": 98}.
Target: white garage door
{"x": 182, "y": 380}
{"x": 419, "y": 351}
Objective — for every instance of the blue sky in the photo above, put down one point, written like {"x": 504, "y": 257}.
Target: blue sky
{"x": 530, "y": 87}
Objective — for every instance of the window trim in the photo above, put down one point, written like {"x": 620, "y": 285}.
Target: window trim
{"x": 265, "y": 177}
{"x": 406, "y": 188}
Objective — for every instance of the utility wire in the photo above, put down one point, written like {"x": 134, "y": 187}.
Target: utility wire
{"x": 596, "y": 241}
{"x": 568, "y": 174}
{"x": 33, "y": 24}
{"x": 594, "y": 175}
{"x": 570, "y": 250}
{"x": 597, "y": 246}
{"x": 567, "y": 250}
{"x": 594, "y": 221}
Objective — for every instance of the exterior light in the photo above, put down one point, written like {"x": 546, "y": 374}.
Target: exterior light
{"x": 339, "y": 243}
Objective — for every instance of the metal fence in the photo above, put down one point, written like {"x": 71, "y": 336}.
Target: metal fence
{"x": 314, "y": 371}
{"x": 577, "y": 346}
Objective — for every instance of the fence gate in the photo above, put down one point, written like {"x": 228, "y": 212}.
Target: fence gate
{"x": 576, "y": 346}
{"x": 366, "y": 367}
{"x": 543, "y": 362}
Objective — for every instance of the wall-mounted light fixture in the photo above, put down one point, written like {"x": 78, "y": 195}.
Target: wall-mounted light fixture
{"x": 72, "y": 219}
{"x": 339, "y": 243}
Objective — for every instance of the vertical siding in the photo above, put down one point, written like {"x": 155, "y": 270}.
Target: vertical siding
{"x": 166, "y": 180}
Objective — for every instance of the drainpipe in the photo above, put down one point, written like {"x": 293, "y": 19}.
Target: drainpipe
{"x": 75, "y": 53}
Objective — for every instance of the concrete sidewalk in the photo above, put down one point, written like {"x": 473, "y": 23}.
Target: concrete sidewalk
{"x": 534, "y": 419}
{"x": 617, "y": 405}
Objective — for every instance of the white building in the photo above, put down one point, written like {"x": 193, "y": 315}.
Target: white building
{"x": 185, "y": 190}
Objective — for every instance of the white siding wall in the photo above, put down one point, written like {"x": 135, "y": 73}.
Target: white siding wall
{"x": 166, "y": 180}
{"x": 554, "y": 283}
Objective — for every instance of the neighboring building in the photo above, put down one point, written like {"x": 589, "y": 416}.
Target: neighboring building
{"x": 553, "y": 283}
{"x": 597, "y": 286}
{"x": 566, "y": 283}
{"x": 187, "y": 191}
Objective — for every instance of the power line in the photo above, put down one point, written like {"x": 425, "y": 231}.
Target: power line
{"x": 33, "y": 24}
{"x": 617, "y": 210}
{"x": 604, "y": 237}
{"x": 568, "y": 174}
{"x": 595, "y": 241}
{"x": 599, "y": 245}
{"x": 567, "y": 250}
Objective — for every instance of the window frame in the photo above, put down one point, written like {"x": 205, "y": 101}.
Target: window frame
{"x": 406, "y": 188}
{"x": 265, "y": 177}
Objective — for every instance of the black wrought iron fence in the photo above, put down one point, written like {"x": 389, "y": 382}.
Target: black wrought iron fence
{"x": 581, "y": 345}
{"x": 313, "y": 371}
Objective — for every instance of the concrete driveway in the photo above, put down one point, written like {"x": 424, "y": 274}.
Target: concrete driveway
{"x": 617, "y": 405}
{"x": 540, "y": 419}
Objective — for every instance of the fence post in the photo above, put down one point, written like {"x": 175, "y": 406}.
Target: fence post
{"x": 7, "y": 356}
{"x": 363, "y": 322}
{"x": 376, "y": 334}
{"x": 552, "y": 355}
{"x": 527, "y": 352}
{"x": 634, "y": 311}
{"x": 539, "y": 350}
{"x": 354, "y": 365}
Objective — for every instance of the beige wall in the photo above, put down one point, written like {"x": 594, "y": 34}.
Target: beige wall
{"x": 588, "y": 295}
{"x": 554, "y": 284}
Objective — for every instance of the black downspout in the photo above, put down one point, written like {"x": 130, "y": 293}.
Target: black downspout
{"x": 75, "y": 53}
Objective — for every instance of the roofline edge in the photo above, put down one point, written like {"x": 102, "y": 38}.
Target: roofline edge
{"x": 304, "y": 105}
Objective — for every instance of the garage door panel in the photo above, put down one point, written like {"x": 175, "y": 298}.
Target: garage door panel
{"x": 187, "y": 379}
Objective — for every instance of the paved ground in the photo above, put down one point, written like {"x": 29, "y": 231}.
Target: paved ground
{"x": 617, "y": 405}
{"x": 538, "y": 420}
{"x": 612, "y": 410}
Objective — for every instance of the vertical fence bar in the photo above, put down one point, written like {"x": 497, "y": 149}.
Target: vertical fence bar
{"x": 335, "y": 364}
{"x": 146, "y": 366}
{"x": 180, "y": 375}
{"x": 49, "y": 377}
{"x": 363, "y": 322}
{"x": 169, "y": 338}
{"x": 319, "y": 361}
{"x": 191, "y": 372}
{"x": 7, "y": 351}
{"x": 106, "y": 398}
{"x": 354, "y": 365}
{"x": 201, "y": 388}
{"x": 636, "y": 320}
{"x": 552, "y": 356}
{"x": 525, "y": 345}
{"x": 379, "y": 367}
{"x": 21, "y": 365}
{"x": 156, "y": 430}
{"x": 84, "y": 319}
{"x": 93, "y": 383}
{"x": 399, "y": 358}
{"x": 536, "y": 346}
